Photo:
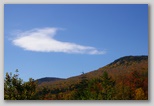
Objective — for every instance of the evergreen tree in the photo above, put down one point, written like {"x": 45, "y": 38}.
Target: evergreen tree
{"x": 16, "y": 89}
{"x": 82, "y": 92}
{"x": 108, "y": 87}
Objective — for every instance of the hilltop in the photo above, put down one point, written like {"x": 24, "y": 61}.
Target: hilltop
{"x": 122, "y": 69}
{"x": 123, "y": 79}
{"x": 125, "y": 61}
{"x": 48, "y": 79}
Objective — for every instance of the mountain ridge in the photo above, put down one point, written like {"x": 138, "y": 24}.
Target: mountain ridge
{"x": 122, "y": 61}
{"x": 129, "y": 74}
{"x": 48, "y": 79}
{"x": 130, "y": 58}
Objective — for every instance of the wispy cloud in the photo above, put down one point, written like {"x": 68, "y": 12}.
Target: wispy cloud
{"x": 42, "y": 40}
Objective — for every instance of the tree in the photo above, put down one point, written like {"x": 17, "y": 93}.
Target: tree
{"x": 139, "y": 94}
{"x": 108, "y": 86}
{"x": 16, "y": 89}
{"x": 82, "y": 91}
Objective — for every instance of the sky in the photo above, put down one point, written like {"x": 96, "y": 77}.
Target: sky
{"x": 64, "y": 40}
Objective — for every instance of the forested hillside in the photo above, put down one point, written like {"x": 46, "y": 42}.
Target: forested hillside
{"x": 124, "y": 79}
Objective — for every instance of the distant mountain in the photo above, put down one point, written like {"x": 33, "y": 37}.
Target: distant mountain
{"x": 130, "y": 74}
{"x": 123, "y": 79}
{"x": 126, "y": 63}
{"x": 129, "y": 59}
{"x": 48, "y": 79}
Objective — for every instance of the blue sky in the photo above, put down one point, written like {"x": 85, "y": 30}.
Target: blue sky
{"x": 62, "y": 40}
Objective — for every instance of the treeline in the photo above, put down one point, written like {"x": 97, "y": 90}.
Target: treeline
{"x": 16, "y": 89}
{"x": 133, "y": 86}
{"x": 130, "y": 86}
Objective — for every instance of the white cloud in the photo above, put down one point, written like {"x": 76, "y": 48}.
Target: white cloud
{"x": 42, "y": 40}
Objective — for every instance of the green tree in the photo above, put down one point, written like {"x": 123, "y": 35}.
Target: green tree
{"x": 82, "y": 91}
{"x": 108, "y": 86}
{"x": 16, "y": 89}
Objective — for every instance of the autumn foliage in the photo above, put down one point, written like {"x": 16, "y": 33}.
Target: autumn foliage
{"x": 124, "y": 79}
